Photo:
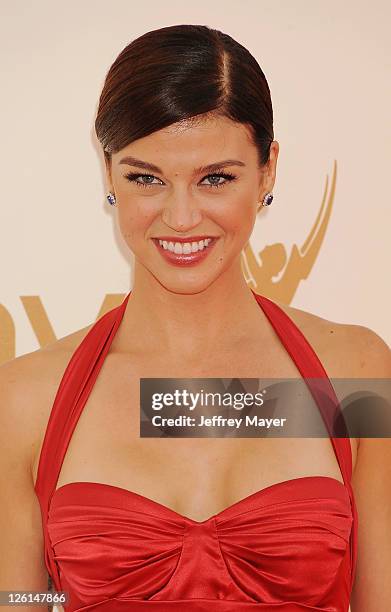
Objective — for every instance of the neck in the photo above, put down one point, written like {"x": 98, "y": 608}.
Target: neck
{"x": 188, "y": 325}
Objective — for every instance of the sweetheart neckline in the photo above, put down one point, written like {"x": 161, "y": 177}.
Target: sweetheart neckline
{"x": 188, "y": 519}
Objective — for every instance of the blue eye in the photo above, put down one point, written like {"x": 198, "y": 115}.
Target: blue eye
{"x": 225, "y": 175}
{"x": 132, "y": 178}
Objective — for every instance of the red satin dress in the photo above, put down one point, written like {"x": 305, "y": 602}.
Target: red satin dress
{"x": 289, "y": 547}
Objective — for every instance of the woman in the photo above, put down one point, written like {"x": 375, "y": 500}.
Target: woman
{"x": 123, "y": 522}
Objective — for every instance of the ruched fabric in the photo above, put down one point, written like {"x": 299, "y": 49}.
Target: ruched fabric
{"x": 289, "y": 547}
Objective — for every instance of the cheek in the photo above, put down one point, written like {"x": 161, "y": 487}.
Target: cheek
{"x": 126, "y": 221}
{"x": 239, "y": 216}
{"x": 133, "y": 220}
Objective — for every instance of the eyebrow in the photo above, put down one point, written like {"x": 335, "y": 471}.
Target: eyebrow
{"x": 138, "y": 163}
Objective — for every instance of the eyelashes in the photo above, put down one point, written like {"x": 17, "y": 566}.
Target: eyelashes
{"x": 227, "y": 176}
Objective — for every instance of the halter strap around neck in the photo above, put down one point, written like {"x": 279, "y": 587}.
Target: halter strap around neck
{"x": 319, "y": 384}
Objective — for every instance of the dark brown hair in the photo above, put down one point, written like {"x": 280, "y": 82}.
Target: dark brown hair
{"x": 176, "y": 73}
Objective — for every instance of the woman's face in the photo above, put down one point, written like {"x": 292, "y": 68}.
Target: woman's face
{"x": 193, "y": 181}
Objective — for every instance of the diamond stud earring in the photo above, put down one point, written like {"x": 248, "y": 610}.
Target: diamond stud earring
{"x": 267, "y": 200}
{"x": 111, "y": 198}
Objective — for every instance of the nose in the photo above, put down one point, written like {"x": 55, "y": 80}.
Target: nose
{"x": 181, "y": 213}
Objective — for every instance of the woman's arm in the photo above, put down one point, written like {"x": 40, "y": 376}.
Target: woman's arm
{"x": 371, "y": 483}
{"x": 21, "y": 539}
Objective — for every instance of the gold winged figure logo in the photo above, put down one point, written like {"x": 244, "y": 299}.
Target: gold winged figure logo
{"x": 295, "y": 268}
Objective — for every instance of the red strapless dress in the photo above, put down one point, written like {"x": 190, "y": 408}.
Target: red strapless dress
{"x": 287, "y": 548}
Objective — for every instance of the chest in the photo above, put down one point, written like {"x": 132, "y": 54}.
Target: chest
{"x": 105, "y": 445}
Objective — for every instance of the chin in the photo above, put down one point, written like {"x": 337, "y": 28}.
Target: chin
{"x": 185, "y": 286}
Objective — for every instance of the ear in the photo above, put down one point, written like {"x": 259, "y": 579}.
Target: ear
{"x": 109, "y": 180}
{"x": 269, "y": 171}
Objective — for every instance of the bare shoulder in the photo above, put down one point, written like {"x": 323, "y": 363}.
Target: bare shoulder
{"x": 345, "y": 350}
{"x": 348, "y": 351}
{"x": 28, "y": 385}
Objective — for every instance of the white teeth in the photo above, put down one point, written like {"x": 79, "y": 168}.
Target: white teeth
{"x": 180, "y": 248}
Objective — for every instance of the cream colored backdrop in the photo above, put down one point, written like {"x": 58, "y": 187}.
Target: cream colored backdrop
{"x": 326, "y": 63}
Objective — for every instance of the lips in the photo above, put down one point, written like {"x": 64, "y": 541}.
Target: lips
{"x": 182, "y": 259}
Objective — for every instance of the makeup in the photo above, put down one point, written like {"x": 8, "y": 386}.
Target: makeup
{"x": 178, "y": 254}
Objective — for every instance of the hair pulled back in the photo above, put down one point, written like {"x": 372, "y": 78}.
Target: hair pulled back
{"x": 176, "y": 73}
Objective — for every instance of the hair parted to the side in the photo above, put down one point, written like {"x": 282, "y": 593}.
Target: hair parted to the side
{"x": 176, "y": 73}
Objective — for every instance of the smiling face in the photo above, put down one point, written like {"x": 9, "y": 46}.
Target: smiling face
{"x": 192, "y": 180}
